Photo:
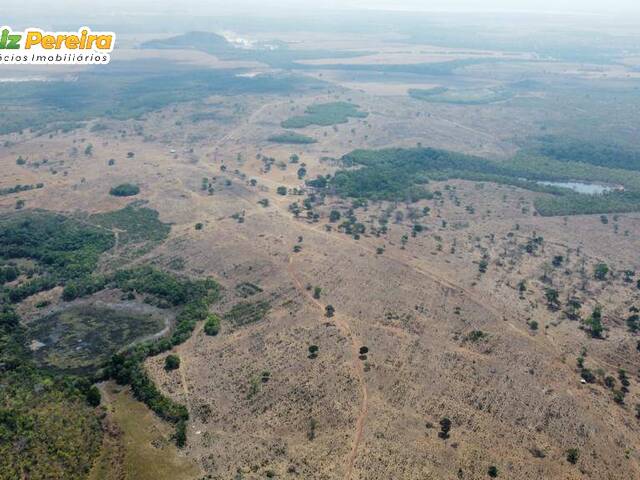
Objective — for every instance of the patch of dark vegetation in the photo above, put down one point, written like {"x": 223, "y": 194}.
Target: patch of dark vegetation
{"x": 212, "y": 325}
{"x": 400, "y": 174}
{"x": 35, "y": 401}
{"x": 292, "y": 138}
{"x": 245, "y": 313}
{"x": 81, "y": 338}
{"x": 125, "y": 90}
{"x": 20, "y": 188}
{"x": 578, "y": 150}
{"x": 325, "y": 114}
{"x": 35, "y": 416}
{"x": 580, "y": 204}
{"x": 479, "y": 96}
{"x": 64, "y": 248}
{"x": 125, "y": 190}
{"x": 135, "y": 223}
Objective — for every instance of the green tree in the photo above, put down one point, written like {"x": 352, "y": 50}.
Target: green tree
{"x": 171, "y": 362}
{"x": 600, "y": 271}
{"x": 93, "y": 396}
{"x": 445, "y": 428}
{"x": 572, "y": 455}
{"x": 212, "y": 325}
{"x": 595, "y": 322}
{"x": 553, "y": 298}
{"x": 329, "y": 311}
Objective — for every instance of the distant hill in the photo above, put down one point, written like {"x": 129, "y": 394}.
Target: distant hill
{"x": 204, "y": 41}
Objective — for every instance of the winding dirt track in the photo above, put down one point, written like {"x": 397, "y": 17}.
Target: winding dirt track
{"x": 356, "y": 363}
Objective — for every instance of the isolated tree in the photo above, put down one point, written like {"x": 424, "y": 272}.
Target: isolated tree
{"x": 445, "y": 428}
{"x": 600, "y": 271}
{"x": 492, "y": 471}
{"x": 212, "y": 325}
{"x": 334, "y": 216}
{"x": 553, "y": 298}
{"x": 329, "y": 311}
{"x": 573, "y": 308}
{"x": 171, "y": 362}
{"x": 316, "y": 292}
{"x": 610, "y": 382}
{"x": 522, "y": 287}
{"x": 281, "y": 190}
{"x": 572, "y": 455}
{"x": 595, "y": 322}
{"x": 313, "y": 351}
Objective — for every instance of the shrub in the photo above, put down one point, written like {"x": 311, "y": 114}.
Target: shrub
{"x": 281, "y": 190}
{"x": 600, "y": 271}
{"x": 572, "y": 455}
{"x": 93, "y": 396}
{"x": 125, "y": 190}
{"x": 445, "y": 428}
{"x": 171, "y": 362}
{"x": 212, "y": 325}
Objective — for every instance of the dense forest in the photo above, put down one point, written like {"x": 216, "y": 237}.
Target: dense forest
{"x": 41, "y": 250}
{"x": 402, "y": 174}
{"x": 578, "y": 150}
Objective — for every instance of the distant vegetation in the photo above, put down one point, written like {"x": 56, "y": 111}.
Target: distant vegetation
{"x": 325, "y": 114}
{"x": 125, "y": 90}
{"x": 402, "y": 174}
{"x": 135, "y": 223}
{"x": 125, "y": 190}
{"x": 65, "y": 249}
{"x": 292, "y": 137}
{"x": 275, "y": 54}
{"x": 478, "y": 96}
{"x": 578, "y": 150}
{"x": 19, "y": 188}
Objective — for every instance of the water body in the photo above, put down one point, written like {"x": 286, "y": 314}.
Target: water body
{"x": 587, "y": 188}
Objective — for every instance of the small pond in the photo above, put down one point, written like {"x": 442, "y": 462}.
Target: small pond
{"x": 580, "y": 187}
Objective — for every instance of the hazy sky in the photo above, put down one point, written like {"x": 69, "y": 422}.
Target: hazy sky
{"x": 211, "y": 7}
